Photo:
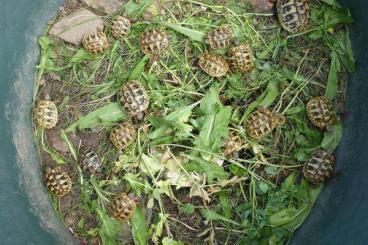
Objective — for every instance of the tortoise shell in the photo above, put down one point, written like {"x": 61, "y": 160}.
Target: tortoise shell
{"x": 319, "y": 167}
{"x": 123, "y": 207}
{"x": 320, "y": 112}
{"x": 262, "y": 122}
{"x": 233, "y": 143}
{"x": 133, "y": 97}
{"x": 214, "y": 65}
{"x": 123, "y": 135}
{"x": 46, "y": 114}
{"x": 95, "y": 42}
{"x": 240, "y": 58}
{"x": 293, "y": 15}
{"x": 58, "y": 181}
{"x": 219, "y": 37}
{"x": 154, "y": 41}
{"x": 120, "y": 27}
{"x": 89, "y": 160}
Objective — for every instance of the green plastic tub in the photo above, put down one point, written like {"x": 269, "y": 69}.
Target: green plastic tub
{"x": 26, "y": 215}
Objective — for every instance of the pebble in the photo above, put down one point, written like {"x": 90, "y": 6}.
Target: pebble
{"x": 73, "y": 27}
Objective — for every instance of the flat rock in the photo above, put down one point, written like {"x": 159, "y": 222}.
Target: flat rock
{"x": 55, "y": 141}
{"x": 73, "y": 27}
{"x": 106, "y": 6}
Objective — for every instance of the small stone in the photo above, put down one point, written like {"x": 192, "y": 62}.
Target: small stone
{"x": 56, "y": 142}
{"x": 106, "y": 6}
{"x": 73, "y": 27}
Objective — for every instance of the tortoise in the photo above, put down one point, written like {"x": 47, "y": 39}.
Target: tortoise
{"x": 154, "y": 41}
{"x": 123, "y": 207}
{"x": 262, "y": 122}
{"x": 294, "y": 15}
{"x": 240, "y": 58}
{"x": 133, "y": 97}
{"x": 320, "y": 112}
{"x": 123, "y": 135}
{"x": 89, "y": 160}
{"x": 319, "y": 167}
{"x": 95, "y": 42}
{"x": 213, "y": 64}
{"x": 233, "y": 143}
{"x": 219, "y": 37}
{"x": 58, "y": 181}
{"x": 120, "y": 27}
{"x": 46, "y": 114}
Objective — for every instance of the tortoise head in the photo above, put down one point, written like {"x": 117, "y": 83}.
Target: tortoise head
{"x": 278, "y": 118}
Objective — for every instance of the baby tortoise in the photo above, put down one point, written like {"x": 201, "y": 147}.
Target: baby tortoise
{"x": 319, "y": 167}
{"x": 262, "y": 122}
{"x": 123, "y": 135}
{"x": 89, "y": 160}
{"x": 219, "y": 37}
{"x": 213, "y": 64}
{"x": 241, "y": 58}
{"x": 120, "y": 27}
{"x": 123, "y": 207}
{"x": 154, "y": 41}
{"x": 133, "y": 97}
{"x": 46, "y": 114}
{"x": 58, "y": 181}
{"x": 320, "y": 112}
{"x": 233, "y": 143}
{"x": 95, "y": 42}
{"x": 293, "y": 15}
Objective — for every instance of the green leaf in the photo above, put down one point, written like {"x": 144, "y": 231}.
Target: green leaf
{"x": 213, "y": 122}
{"x": 188, "y": 208}
{"x": 332, "y": 84}
{"x": 150, "y": 164}
{"x": 70, "y": 145}
{"x": 271, "y": 94}
{"x": 212, "y": 170}
{"x": 103, "y": 116}
{"x": 173, "y": 123}
{"x": 135, "y": 182}
{"x": 139, "y": 228}
{"x": 332, "y": 138}
{"x": 335, "y": 16}
{"x": 135, "y": 9}
{"x": 192, "y": 34}
{"x": 169, "y": 241}
{"x": 225, "y": 204}
{"x": 211, "y": 215}
{"x": 108, "y": 229}
{"x": 139, "y": 68}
